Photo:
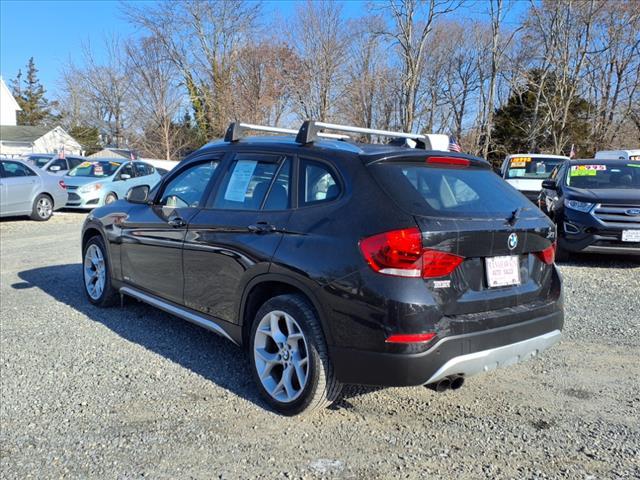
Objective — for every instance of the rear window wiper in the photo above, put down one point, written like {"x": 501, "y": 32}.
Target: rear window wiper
{"x": 513, "y": 218}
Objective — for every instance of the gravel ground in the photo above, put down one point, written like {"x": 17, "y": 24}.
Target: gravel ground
{"x": 135, "y": 392}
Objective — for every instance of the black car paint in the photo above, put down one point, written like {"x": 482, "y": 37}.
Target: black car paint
{"x": 314, "y": 249}
{"x": 594, "y": 232}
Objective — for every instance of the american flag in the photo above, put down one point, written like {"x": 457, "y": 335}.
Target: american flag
{"x": 132, "y": 155}
{"x": 454, "y": 146}
{"x": 572, "y": 153}
{"x": 61, "y": 152}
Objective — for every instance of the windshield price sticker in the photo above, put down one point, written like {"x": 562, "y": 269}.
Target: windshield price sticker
{"x": 520, "y": 161}
{"x": 586, "y": 170}
{"x": 97, "y": 169}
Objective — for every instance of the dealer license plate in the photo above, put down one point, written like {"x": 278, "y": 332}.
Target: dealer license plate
{"x": 631, "y": 235}
{"x": 503, "y": 271}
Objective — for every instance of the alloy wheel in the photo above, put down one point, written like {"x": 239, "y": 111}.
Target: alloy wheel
{"x": 94, "y": 271}
{"x": 281, "y": 356}
{"x": 44, "y": 207}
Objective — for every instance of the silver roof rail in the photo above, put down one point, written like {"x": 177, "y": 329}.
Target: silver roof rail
{"x": 311, "y": 129}
{"x": 236, "y": 131}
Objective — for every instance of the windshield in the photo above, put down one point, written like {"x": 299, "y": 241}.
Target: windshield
{"x": 449, "y": 192}
{"x": 39, "y": 161}
{"x": 604, "y": 175}
{"x": 101, "y": 168}
{"x": 535, "y": 168}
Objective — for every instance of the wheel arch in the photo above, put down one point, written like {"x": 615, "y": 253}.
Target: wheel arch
{"x": 266, "y": 286}
{"x": 44, "y": 192}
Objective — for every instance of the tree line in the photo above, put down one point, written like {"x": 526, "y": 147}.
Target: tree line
{"x": 565, "y": 73}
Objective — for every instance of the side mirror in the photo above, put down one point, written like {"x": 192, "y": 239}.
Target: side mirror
{"x": 124, "y": 176}
{"x": 138, "y": 194}
{"x": 55, "y": 168}
{"x": 549, "y": 184}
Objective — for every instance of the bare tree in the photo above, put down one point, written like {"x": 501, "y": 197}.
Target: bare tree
{"x": 261, "y": 82}
{"x": 367, "y": 98}
{"x": 413, "y": 22}
{"x": 202, "y": 38}
{"x": 100, "y": 90}
{"x": 155, "y": 98}
{"x": 318, "y": 37}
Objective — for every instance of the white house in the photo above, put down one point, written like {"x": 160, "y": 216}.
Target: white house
{"x": 22, "y": 139}
{"x": 8, "y": 105}
{"x": 18, "y": 140}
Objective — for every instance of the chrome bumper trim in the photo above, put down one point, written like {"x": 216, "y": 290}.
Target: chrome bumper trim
{"x": 486, "y": 360}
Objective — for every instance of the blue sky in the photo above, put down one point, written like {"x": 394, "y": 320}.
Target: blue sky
{"x": 53, "y": 31}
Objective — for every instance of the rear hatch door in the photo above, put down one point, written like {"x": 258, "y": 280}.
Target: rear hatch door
{"x": 467, "y": 210}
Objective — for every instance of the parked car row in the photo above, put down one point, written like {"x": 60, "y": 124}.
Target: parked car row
{"x": 595, "y": 203}
{"x": 43, "y": 183}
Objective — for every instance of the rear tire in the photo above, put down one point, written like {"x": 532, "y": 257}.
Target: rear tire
{"x": 96, "y": 274}
{"x": 289, "y": 359}
{"x": 42, "y": 208}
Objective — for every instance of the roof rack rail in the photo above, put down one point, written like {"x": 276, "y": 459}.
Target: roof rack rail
{"x": 236, "y": 131}
{"x": 311, "y": 130}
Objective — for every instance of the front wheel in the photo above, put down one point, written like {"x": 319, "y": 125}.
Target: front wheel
{"x": 42, "y": 208}
{"x": 289, "y": 357}
{"x": 110, "y": 198}
{"x": 96, "y": 275}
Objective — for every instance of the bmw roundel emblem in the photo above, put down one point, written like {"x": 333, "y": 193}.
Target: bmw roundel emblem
{"x": 512, "y": 241}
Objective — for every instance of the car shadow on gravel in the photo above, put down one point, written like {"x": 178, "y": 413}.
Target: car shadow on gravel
{"x": 192, "y": 347}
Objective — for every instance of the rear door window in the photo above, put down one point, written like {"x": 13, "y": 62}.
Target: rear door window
{"x": 74, "y": 162}
{"x": 448, "y": 192}
{"x": 142, "y": 169}
{"x": 247, "y": 182}
{"x": 317, "y": 183}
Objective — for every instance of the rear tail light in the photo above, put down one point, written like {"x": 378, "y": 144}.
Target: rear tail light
{"x": 62, "y": 185}
{"x": 451, "y": 161}
{"x": 548, "y": 255}
{"x": 411, "y": 338}
{"x": 400, "y": 253}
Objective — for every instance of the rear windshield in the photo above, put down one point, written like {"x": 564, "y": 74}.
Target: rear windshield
{"x": 101, "y": 168}
{"x": 604, "y": 175}
{"x": 449, "y": 192}
{"x": 528, "y": 167}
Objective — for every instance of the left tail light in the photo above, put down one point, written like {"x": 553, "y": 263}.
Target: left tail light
{"x": 548, "y": 255}
{"x": 62, "y": 185}
{"x": 400, "y": 253}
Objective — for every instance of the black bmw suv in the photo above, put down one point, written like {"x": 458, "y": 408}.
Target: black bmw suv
{"x": 596, "y": 206}
{"x": 334, "y": 262}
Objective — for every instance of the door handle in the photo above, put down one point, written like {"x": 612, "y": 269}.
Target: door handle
{"x": 262, "y": 227}
{"x": 177, "y": 222}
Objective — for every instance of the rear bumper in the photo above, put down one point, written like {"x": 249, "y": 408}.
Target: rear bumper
{"x": 466, "y": 354}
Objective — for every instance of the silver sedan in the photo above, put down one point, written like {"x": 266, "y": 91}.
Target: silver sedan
{"x": 25, "y": 190}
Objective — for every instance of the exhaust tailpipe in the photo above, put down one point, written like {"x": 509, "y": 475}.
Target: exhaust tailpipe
{"x": 441, "y": 385}
{"x": 456, "y": 381}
